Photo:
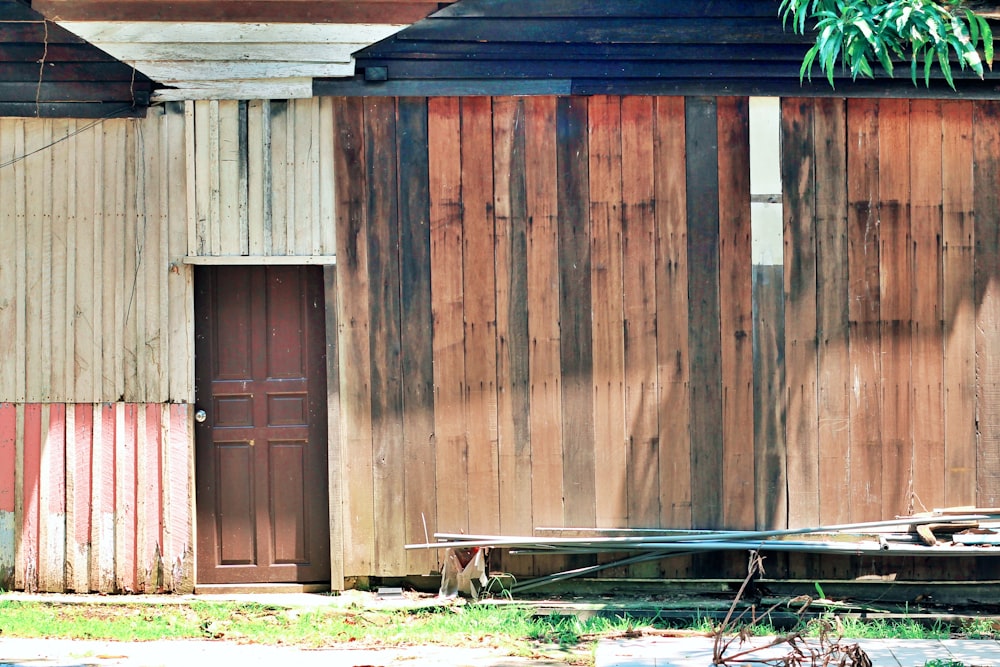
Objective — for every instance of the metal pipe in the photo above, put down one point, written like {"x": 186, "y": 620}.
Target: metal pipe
{"x": 459, "y": 540}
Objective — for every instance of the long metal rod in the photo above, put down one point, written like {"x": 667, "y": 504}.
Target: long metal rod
{"x": 459, "y": 540}
{"x": 590, "y": 569}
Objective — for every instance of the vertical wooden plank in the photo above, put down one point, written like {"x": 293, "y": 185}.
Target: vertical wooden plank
{"x": 833, "y": 360}
{"x": 335, "y": 458}
{"x": 258, "y": 152}
{"x": 43, "y": 227}
{"x": 607, "y": 287}
{"x": 280, "y": 112}
{"x": 702, "y": 141}
{"x": 444, "y": 144}
{"x": 31, "y": 431}
{"x": 316, "y": 146}
{"x": 575, "y": 308}
{"x": 639, "y": 283}
{"x": 227, "y": 194}
{"x": 353, "y": 337}
{"x": 9, "y": 256}
{"x": 21, "y": 266}
{"x": 243, "y": 176}
{"x": 201, "y": 162}
{"x": 52, "y": 500}
{"x": 770, "y": 392}
{"x": 178, "y": 505}
{"x": 60, "y": 184}
{"x": 895, "y": 274}
{"x": 416, "y": 335}
{"x": 800, "y": 313}
{"x": 8, "y": 489}
{"x": 327, "y": 205}
{"x": 863, "y": 313}
{"x": 69, "y": 223}
{"x": 149, "y": 493}
{"x": 296, "y": 128}
{"x": 129, "y": 278}
{"x": 102, "y": 536}
{"x": 305, "y": 146}
{"x": 543, "y": 311}
{"x": 153, "y": 350}
{"x": 513, "y": 406}
{"x": 479, "y": 290}
{"x": 927, "y": 348}
{"x": 79, "y": 449}
{"x": 83, "y": 361}
{"x": 958, "y": 304}
{"x": 98, "y": 271}
{"x": 384, "y": 320}
{"x": 38, "y": 243}
{"x": 28, "y": 467}
{"x": 126, "y": 425}
{"x": 192, "y": 194}
{"x": 672, "y": 321}
{"x": 180, "y": 278}
{"x": 736, "y": 311}
{"x": 986, "y": 149}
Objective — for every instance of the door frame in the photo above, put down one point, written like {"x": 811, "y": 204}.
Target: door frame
{"x": 334, "y": 448}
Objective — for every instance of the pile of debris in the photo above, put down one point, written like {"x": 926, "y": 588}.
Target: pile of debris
{"x": 967, "y": 531}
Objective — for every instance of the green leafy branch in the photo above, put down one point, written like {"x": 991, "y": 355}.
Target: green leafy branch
{"x": 856, "y": 34}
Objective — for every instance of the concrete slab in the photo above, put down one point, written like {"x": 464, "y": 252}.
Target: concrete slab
{"x": 698, "y": 652}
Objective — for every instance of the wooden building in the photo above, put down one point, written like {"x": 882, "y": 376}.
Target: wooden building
{"x": 529, "y": 265}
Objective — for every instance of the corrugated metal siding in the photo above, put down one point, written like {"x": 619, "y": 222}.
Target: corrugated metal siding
{"x": 96, "y": 497}
{"x": 258, "y": 172}
{"x": 91, "y": 295}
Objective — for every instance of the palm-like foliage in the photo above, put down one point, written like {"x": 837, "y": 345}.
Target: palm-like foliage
{"x": 856, "y": 34}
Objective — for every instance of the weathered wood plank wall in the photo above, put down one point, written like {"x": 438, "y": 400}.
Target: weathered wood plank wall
{"x": 603, "y": 351}
{"x": 93, "y": 310}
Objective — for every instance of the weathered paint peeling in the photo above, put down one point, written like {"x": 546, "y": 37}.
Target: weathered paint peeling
{"x": 6, "y": 550}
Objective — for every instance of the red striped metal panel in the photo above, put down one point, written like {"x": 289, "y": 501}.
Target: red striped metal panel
{"x": 103, "y": 500}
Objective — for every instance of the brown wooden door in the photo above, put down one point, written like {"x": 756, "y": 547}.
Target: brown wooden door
{"x": 261, "y": 450}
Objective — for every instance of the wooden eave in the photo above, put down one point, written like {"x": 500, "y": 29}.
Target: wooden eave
{"x": 578, "y": 47}
{"x": 46, "y": 71}
{"x": 235, "y": 49}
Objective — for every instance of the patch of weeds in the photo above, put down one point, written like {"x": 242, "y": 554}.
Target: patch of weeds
{"x": 943, "y": 662}
{"x": 979, "y": 628}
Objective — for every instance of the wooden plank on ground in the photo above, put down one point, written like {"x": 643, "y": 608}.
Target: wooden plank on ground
{"x": 799, "y": 177}
{"x": 543, "y": 311}
{"x": 443, "y": 147}
{"x": 384, "y": 322}
{"x": 986, "y": 150}
{"x": 927, "y": 347}
{"x": 479, "y": 290}
{"x": 607, "y": 290}
{"x": 895, "y": 275}
{"x": 736, "y": 312}
{"x": 833, "y": 359}
{"x": 865, "y": 500}
{"x": 958, "y": 304}
{"x": 704, "y": 318}
{"x": 353, "y": 338}
{"x": 510, "y": 260}
{"x": 416, "y": 334}
{"x": 575, "y": 308}
{"x": 639, "y": 286}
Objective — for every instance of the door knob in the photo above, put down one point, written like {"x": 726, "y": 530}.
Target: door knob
{"x": 200, "y": 416}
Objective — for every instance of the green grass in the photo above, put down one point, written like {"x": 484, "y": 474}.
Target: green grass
{"x": 510, "y": 626}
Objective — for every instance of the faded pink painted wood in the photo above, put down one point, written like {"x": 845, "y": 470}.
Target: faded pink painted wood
{"x": 101, "y": 500}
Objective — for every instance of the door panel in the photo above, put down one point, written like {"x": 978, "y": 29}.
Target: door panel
{"x": 261, "y": 451}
